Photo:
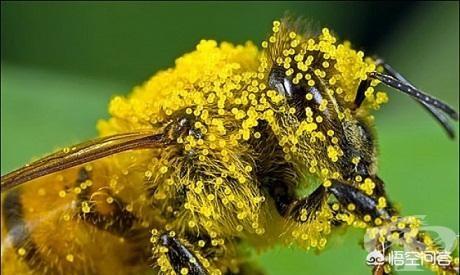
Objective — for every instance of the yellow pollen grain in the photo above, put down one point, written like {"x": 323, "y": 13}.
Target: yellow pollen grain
{"x": 351, "y": 207}
{"x": 41, "y": 192}
{"x": 69, "y": 258}
{"x": 66, "y": 217}
{"x": 335, "y": 206}
{"x": 192, "y": 223}
{"x": 148, "y": 174}
{"x": 21, "y": 251}
{"x": 163, "y": 169}
{"x": 85, "y": 207}
{"x": 367, "y": 218}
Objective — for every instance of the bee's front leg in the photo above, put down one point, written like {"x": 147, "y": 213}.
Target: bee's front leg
{"x": 289, "y": 205}
{"x": 366, "y": 208}
{"x": 309, "y": 205}
{"x": 390, "y": 228}
{"x": 363, "y": 204}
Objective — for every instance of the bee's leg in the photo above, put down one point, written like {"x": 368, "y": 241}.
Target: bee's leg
{"x": 363, "y": 204}
{"x": 386, "y": 219}
{"x": 308, "y": 205}
{"x": 360, "y": 93}
{"x": 289, "y": 206}
{"x": 116, "y": 219}
{"x": 180, "y": 257}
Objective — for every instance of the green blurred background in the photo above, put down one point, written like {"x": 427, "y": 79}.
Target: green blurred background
{"x": 62, "y": 62}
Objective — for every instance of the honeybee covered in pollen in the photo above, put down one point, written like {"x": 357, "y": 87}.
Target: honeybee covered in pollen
{"x": 207, "y": 157}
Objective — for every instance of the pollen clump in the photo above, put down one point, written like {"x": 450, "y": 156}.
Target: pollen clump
{"x": 219, "y": 101}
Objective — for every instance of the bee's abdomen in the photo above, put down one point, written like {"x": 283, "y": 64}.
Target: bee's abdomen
{"x": 48, "y": 228}
{"x": 18, "y": 234}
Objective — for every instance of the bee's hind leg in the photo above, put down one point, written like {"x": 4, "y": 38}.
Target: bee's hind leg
{"x": 180, "y": 257}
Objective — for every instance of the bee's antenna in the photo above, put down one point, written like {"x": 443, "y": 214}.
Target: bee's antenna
{"x": 431, "y": 104}
{"x": 441, "y": 118}
{"x": 415, "y": 93}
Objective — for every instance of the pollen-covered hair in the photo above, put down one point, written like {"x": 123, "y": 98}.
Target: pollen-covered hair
{"x": 317, "y": 56}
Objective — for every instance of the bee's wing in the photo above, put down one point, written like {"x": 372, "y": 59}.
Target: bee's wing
{"x": 83, "y": 153}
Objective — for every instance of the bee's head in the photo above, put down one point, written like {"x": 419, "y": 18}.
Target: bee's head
{"x": 328, "y": 92}
{"x": 317, "y": 78}
{"x": 340, "y": 137}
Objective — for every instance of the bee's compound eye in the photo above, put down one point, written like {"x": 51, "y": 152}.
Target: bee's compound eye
{"x": 277, "y": 80}
{"x": 295, "y": 94}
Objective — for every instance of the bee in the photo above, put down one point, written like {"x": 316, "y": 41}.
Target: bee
{"x": 209, "y": 157}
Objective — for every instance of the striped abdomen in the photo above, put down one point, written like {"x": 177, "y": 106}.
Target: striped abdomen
{"x": 72, "y": 223}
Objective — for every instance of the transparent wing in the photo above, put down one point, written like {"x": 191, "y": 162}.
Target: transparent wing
{"x": 83, "y": 153}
